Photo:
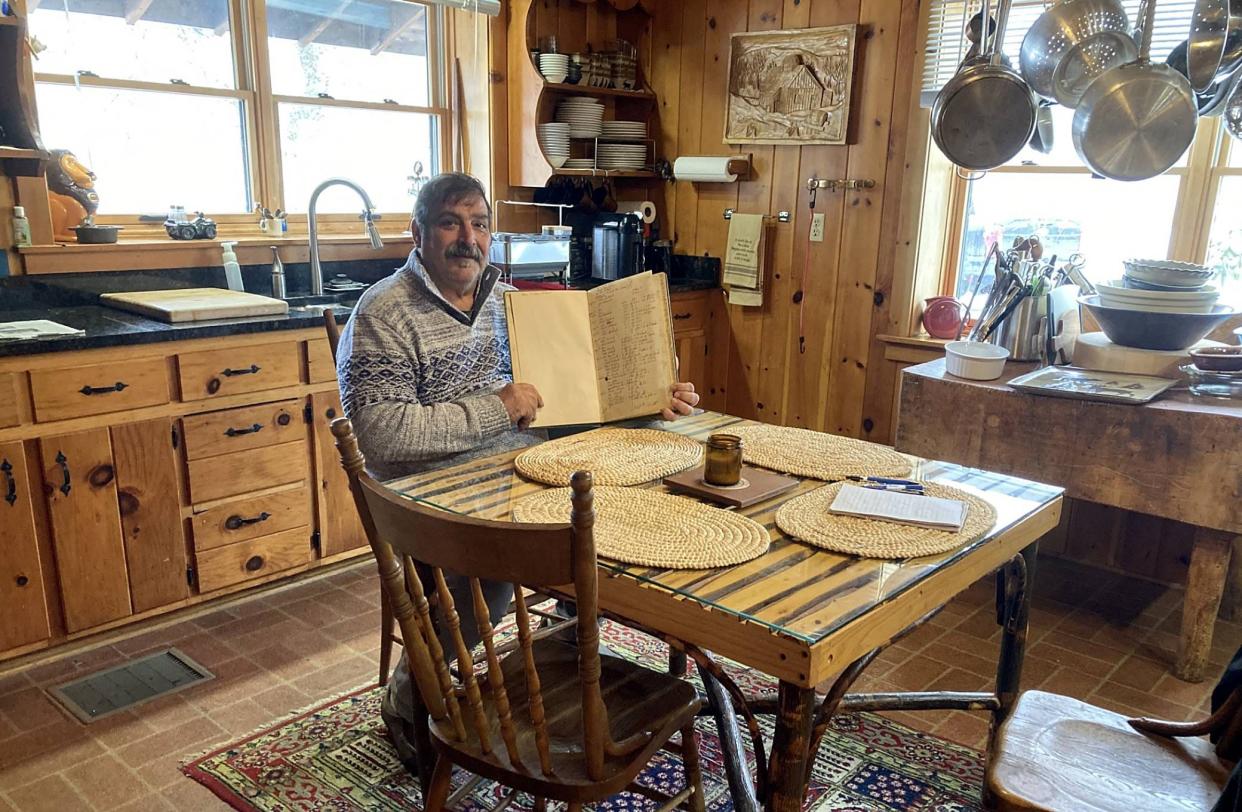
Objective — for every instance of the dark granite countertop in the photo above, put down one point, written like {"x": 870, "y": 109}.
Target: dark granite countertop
{"x": 72, "y": 300}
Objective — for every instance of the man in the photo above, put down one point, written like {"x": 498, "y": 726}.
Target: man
{"x": 426, "y": 375}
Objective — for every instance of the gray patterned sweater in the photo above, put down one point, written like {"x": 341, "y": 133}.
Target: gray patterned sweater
{"x": 419, "y": 378}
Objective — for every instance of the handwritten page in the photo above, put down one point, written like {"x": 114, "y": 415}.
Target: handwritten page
{"x": 550, "y": 343}
{"x": 900, "y": 508}
{"x": 595, "y": 356}
{"x": 633, "y": 338}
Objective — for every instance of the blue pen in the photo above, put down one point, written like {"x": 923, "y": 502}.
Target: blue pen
{"x": 914, "y": 489}
{"x": 885, "y": 480}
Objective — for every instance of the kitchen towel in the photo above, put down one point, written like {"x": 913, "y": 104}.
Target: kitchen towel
{"x": 743, "y": 271}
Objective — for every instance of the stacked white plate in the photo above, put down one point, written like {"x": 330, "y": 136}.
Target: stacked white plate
{"x": 554, "y": 138}
{"x": 554, "y": 67}
{"x": 1116, "y": 295}
{"x": 580, "y": 163}
{"x": 625, "y": 130}
{"x": 584, "y": 115}
{"x": 621, "y": 156}
{"x": 1165, "y": 274}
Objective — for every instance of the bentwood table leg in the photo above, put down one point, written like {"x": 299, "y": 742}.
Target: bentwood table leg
{"x": 789, "y": 768}
{"x": 741, "y": 787}
{"x": 1209, "y": 566}
{"x": 1014, "y": 587}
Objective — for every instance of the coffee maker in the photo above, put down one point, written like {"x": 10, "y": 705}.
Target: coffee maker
{"x": 616, "y": 246}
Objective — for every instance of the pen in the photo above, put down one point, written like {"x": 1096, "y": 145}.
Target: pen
{"x": 885, "y": 480}
{"x": 914, "y": 489}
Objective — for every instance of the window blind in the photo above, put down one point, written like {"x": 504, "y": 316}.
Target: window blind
{"x": 946, "y": 43}
{"x": 489, "y": 7}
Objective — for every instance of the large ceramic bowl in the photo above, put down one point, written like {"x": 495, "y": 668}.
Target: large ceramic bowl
{"x": 1154, "y": 331}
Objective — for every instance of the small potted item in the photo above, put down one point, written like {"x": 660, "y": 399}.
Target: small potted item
{"x": 1218, "y": 359}
{"x": 975, "y": 360}
{"x": 200, "y": 228}
{"x": 943, "y": 316}
{"x": 90, "y": 234}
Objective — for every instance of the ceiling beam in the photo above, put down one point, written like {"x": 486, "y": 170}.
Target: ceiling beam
{"x": 321, "y": 26}
{"x": 395, "y": 32}
{"x": 135, "y": 9}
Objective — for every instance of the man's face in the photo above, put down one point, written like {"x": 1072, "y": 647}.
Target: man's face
{"x": 455, "y": 247}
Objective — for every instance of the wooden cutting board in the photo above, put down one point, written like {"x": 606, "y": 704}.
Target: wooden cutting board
{"x": 1095, "y": 351}
{"x": 195, "y": 304}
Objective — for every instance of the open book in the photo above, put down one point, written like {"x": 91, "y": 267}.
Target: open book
{"x": 901, "y": 508}
{"x": 596, "y": 355}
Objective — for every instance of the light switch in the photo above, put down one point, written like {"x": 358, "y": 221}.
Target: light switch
{"x": 817, "y": 227}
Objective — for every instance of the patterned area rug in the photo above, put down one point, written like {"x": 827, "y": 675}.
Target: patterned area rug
{"x": 338, "y": 757}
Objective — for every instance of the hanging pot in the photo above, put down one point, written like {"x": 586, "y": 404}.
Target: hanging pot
{"x": 1071, "y": 44}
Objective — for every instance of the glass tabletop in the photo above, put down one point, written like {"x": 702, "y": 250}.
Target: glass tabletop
{"x": 793, "y": 589}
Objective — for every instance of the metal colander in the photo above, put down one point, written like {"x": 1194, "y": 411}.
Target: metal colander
{"x": 1071, "y": 44}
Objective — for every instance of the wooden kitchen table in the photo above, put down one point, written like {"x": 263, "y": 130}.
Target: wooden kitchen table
{"x": 798, "y": 613}
{"x": 1179, "y": 457}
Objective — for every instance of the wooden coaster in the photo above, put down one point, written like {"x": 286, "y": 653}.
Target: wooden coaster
{"x": 755, "y": 486}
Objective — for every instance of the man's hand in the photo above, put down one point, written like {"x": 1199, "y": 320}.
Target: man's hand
{"x": 683, "y": 402}
{"x": 522, "y": 401}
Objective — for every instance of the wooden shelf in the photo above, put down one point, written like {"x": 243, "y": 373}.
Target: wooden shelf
{"x": 606, "y": 173}
{"x": 7, "y": 153}
{"x": 588, "y": 90}
{"x": 11, "y": 20}
{"x": 21, "y": 162}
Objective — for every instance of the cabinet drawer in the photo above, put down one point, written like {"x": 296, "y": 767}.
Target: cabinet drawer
{"x": 207, "y": 435}
{"x": 265, "y": 555}
{"x": 234, "y": 371}
{"x": 8, "y": 400}
{"x": 689, "y": 313}
{"x": 250, "y": 518}
{"x": 242, "y": 472}
{"x": 319, "y": 361}
{"x": 79, "y": 391}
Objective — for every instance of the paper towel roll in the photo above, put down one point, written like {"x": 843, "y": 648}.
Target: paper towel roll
{"x": 648, "y": 211}
{"x": 707, "y": 168}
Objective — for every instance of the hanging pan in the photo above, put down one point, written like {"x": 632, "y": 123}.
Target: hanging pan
{"x": 1137, "y": 119}
{"x": 1215, "y": 41}
{"x": 1211, "y": 101}
{"x": 1071, "y": 44}
{"x": 986, "y": 113}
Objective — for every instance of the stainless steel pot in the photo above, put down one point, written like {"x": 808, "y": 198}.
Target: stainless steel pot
{"x": 1137, "y": 119}
{"x": 1211, "y": 101}
{"x": 1071, "y": 44}
{"x": 985, "y": 114}
{"x": 1215, "y": 41}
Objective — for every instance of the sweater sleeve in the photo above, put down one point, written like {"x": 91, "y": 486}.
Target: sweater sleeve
{"x": 378, "y": 375}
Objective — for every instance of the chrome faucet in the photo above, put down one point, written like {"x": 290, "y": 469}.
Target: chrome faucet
{"x": 368, "y": 219}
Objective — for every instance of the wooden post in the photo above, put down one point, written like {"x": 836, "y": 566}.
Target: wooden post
{"x": 791, "y": 748}
{"x": 1209, "y": 565}
{"x": 1231, "y": 603}
{"x": 741, "y": 788}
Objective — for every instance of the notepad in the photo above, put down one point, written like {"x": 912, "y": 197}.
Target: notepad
{"x": 900, "y": 508}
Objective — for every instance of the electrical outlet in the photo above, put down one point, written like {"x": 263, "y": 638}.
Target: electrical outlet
{"x": 817, "y": 228}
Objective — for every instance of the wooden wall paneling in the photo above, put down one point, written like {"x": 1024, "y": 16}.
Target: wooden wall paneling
{"x": 86, "y": 527}
{"x": 875, "y": 61}
{"x": 148, "y": 494}
{"x": 663, "y": 74}
{"x": 571, "y": 28}
{"x": 689, "y": 104}
{"x": 22, "y": 600}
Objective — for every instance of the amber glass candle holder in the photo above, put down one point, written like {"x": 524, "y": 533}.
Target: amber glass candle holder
{"x": 724, "y": 460}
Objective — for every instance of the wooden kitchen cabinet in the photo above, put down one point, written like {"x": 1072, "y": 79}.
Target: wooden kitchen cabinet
{"x": 79, "y": 479}
{"x": 148, "y": 496}
{"x": 339, "y": 526}
{"x": 23, "y": 604}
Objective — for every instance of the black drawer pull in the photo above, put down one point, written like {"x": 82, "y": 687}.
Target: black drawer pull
{"x": 236, "y": 522}
{"x": 63, "y": 462}
{"x": 254, "y": 563}
{"x": 250, "y": 370}
{"x": 232, "y": 432}
{"x": 10, "y": 487}
{"x": 680, "y": 316}
{"x": 104, "y": 390}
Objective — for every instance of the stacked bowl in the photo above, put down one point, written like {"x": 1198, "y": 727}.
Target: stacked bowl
{"x": 584, "y": 115}
{"x": 554, "y": 139}
{"x": 554, "y": 67}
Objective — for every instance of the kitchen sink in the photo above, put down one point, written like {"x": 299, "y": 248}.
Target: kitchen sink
{"x": 315, "y": 305}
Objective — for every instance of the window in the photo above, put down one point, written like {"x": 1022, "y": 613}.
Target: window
{"x": 220, "y": 105}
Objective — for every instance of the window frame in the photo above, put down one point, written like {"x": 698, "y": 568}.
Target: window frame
{"x": 253, "y": 88}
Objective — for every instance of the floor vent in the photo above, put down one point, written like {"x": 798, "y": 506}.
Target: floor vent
{"x": 124, "y": 686}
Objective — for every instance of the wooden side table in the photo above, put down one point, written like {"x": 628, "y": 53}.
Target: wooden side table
{"x": 1179, "y": 457}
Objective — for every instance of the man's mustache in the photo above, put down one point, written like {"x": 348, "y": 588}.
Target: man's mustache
{"x": 463, "y": 250}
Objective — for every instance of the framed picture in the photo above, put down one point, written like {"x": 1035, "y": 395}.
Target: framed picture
{"x": 790, "y": 87}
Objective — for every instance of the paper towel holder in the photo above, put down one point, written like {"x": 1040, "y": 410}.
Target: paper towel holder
{"x": 736, "y": 165}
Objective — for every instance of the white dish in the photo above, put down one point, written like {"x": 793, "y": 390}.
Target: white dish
{"x": 1118, "y": 290}
{"x": 975, "y": 360}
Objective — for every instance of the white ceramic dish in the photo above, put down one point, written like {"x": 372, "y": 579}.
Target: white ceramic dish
{"x": 975, "y": 360}
{"x": 1168, "y": 272}
{"x": 1158, "y": 301}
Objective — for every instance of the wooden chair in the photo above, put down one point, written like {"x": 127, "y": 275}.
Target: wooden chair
{"x": 546, "y": 717}
{"x": 1058, "y": 754}
{"x": 388, "y": 624}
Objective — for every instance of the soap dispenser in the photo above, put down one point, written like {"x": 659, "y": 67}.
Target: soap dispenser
{"x": 232, "y": 271}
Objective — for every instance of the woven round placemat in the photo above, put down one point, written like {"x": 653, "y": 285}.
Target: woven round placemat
{"x": 655, "y": 529}
{"x": 613, "y": 456}
{"x": 806, "y": 518}
{"x": 817, "y": 455}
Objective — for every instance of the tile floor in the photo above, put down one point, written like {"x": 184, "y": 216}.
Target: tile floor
{"x": 1097, "y": 636}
